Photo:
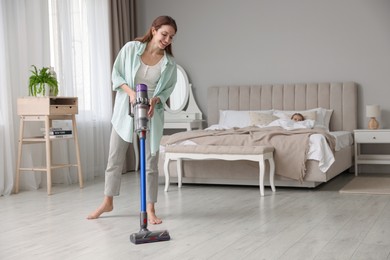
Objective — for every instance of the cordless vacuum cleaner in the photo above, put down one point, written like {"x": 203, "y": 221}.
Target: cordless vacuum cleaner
{"x": 140, "y": 115}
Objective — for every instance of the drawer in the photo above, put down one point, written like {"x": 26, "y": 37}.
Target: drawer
{"x": 372, "y": 137}
{"x": 63, "y": 110}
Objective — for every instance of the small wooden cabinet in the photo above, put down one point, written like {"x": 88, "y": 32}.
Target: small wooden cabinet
{"x": 45, "y": 110}
{"x": 366, "y": 136}
{"x": 42, "y": 106}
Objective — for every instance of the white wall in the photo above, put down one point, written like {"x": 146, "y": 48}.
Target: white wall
{"x": 221, "y": 42}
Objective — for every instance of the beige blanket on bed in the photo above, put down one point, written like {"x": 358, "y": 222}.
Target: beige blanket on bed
{"x": 291, "y": 146}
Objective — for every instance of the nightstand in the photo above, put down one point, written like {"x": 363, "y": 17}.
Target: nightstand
{"x": 365, "y": 136}
{"x": 46, "y": 110}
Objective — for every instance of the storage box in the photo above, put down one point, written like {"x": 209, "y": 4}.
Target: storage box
{"x": 47, "y": 106}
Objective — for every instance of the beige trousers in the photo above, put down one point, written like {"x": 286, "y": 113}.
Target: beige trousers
{"x": 116, "y": 158}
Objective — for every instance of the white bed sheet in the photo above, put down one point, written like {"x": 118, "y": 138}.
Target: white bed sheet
{"x": 320, "y": 151}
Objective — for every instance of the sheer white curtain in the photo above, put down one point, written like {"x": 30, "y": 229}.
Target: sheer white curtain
{"x": 24, "y": 40}
{"x": 7, "y": 165}
{"x": 80, "y": 54}
{"x": 81, "y": 59}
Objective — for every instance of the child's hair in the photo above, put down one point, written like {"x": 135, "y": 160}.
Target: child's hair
{"x": 298, "y": 114}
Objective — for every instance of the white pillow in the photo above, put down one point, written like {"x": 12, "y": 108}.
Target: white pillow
{"x": 328, "y": 115}
{"x": 236, "y": 118}
{"x": 324, "y": 115}
{"x": 261, "y": 119}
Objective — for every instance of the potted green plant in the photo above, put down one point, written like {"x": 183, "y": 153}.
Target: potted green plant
{"x": 39, "y": 79}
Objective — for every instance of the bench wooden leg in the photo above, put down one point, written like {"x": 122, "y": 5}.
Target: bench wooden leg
{"x": 272, "y": 173}
{"x": 261, "y": 177}
{"x": 179, "y": 172}
{"x": 167, "y": 175}
{"x": 271, "y": 161}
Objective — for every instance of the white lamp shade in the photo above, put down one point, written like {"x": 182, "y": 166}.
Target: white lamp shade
{"x": 373, "y": 110}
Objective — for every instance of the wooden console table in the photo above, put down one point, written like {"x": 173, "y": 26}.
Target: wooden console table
{"x": 46, "y": 109}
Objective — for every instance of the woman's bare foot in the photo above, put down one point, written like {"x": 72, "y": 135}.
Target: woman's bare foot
{"x": 153, "y": 219}
{"x": 106, "y": 206}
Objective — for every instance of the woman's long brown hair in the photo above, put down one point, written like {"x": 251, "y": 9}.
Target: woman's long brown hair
{"x": 157, "y": 23}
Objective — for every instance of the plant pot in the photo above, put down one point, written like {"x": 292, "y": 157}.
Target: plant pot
{"x": 47, "y": 90}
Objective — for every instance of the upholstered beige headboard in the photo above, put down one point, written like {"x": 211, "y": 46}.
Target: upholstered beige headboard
{"x": 341, "y": 97}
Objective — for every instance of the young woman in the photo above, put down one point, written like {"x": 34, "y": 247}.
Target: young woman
{"x": 147, "y": 60}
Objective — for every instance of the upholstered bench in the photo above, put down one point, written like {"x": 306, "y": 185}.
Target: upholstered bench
{"x": 230, "y": 153}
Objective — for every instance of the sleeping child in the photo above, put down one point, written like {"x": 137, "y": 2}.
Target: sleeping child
{"x": 297, "y": 121}
{"x": 297, "y": 117}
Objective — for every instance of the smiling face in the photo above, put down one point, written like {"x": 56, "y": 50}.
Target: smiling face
{"x": 163, "y": 36}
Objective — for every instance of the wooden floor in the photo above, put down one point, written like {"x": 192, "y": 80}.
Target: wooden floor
{"x": 205, "y": 222}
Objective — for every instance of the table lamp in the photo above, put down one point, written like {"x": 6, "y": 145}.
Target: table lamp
{"x": 373, "y": 111}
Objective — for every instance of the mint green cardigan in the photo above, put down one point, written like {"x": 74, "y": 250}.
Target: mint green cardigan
{"x": 124, "y": 70}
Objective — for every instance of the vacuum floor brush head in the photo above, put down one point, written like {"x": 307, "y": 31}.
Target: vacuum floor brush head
{"x": 143, "y": 237}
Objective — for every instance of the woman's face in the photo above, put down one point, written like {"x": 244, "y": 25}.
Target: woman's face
{"x": 163, "y": 36}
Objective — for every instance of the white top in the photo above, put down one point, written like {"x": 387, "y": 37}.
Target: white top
{"x": 149, "y": 75}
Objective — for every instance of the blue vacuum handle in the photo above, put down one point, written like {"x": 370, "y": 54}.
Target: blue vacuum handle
{"x": 143, "y": 171}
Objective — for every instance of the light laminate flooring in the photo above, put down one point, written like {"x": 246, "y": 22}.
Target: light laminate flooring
{"x": 205, "y": 222}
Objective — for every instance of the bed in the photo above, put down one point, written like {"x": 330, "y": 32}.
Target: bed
{"x": 337, "y": 99}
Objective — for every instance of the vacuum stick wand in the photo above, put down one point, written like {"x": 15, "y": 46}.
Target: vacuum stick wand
{"x": 139, "y": 111}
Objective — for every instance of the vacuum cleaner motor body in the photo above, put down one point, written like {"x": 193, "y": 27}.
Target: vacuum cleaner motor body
{"x": 141, "y": 108}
